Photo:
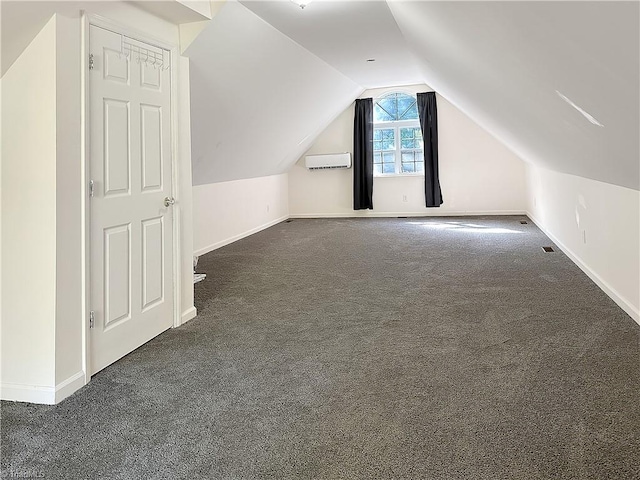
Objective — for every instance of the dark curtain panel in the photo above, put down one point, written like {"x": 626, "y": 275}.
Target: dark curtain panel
{"x": 363, "y": 155}
{"x": 428, "y": 113}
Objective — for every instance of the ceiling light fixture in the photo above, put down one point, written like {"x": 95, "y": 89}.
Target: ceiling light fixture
{"x": 302, "y": 3}
{"x": 584, "y": 113}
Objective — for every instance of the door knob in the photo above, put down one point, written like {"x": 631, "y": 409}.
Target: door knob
{"x": 168, "y": 201}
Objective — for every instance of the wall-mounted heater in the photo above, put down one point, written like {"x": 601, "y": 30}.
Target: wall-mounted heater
{"x": 333, "y": 160}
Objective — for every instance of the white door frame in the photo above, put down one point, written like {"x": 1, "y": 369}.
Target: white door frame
{"x": 88, "y": 19}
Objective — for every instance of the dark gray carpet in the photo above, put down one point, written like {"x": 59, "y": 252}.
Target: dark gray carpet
{"x": 443, "y": 348}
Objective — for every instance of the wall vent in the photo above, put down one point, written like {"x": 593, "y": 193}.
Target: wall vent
{"x": 523, "y": 222}
{"x": 548, "y": 249}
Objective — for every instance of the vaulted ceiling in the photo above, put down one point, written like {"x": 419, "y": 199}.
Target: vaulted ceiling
{"x": 258, "y": 99}
{"x": 346, "y": 35}
{"x": 557, "y": 82}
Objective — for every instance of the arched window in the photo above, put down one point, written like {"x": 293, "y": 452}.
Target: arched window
{"x": 397, "y": 138}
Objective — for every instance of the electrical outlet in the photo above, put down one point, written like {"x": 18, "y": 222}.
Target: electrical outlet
{"x": 267, "y": 208}
{"x": 404, "y": 198}
{"x": 584, "y": 237}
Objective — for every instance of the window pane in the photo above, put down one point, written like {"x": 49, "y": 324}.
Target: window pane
{"x": 377, "y": 157}
{"x": 389, "y": 157}
{"x": 377, "y": 134}
{"x": 388, "y": 139}
{"x": 389, "y": 168}
{"x": 407, "y": 109}
{"x": 380, "y": 115}
{"x": 395, "y": 106}
{"x": 408, "y": 167}
{"x": 409, "y": 136}
{"x": 404, "y": 102}
{"x": 410, "y": 132}
{"x": 377, "y": 169}
{"x": 390, "y": 105}
{"x": 377, "y": 145}
{"x": 411, "y": 113}
{"x": 407, "y": 157}
{"x": 420, "y": 165}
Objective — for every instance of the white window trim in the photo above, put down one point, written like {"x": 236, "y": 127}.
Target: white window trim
{"x": 390, "y": 175}
{"x": 396, "y": 126}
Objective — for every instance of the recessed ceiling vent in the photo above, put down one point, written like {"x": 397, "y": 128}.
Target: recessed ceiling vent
{"x": 302, "y": 3}
{"x": 548, "y": 249}
{"x": 523, "y": 222}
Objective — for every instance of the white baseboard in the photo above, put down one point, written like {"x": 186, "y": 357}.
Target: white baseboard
{"x": 14, "y": 392}
{"x": 187, "y": 315}
{"x": 622, "y": 302}
{"x": 69, "y": 386}
{"x": 235, "y": 238}
{"x": 431, "y": 213}
{"x": 365, "y": 214}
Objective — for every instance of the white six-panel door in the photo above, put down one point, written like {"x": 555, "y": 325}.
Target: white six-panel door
{"x": 131, "y": 228}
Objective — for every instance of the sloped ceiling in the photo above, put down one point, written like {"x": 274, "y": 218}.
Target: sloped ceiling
{"x": 508, "y": 65}
{"x": 258, "y": 99}
{"x": 21, "y": 21}
{"x": 346, "y": 34}
{"x": 523, "y": 70}
{"x": 267, "y": 79}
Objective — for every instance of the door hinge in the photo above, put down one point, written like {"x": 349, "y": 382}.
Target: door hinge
{"x": 92, "y": 319}
{"x": 91, "y": 61}
{"x": 91, "y": 188}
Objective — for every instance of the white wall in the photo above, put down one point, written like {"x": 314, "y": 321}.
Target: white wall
{"x": 184, "y": 210}
{"x": 68, "y": 165}
{"x": 225, "y": 212}
{"x": 597, "y": 224}
{"x": 29, "y": 217}
{"x": 478, "y": 175}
